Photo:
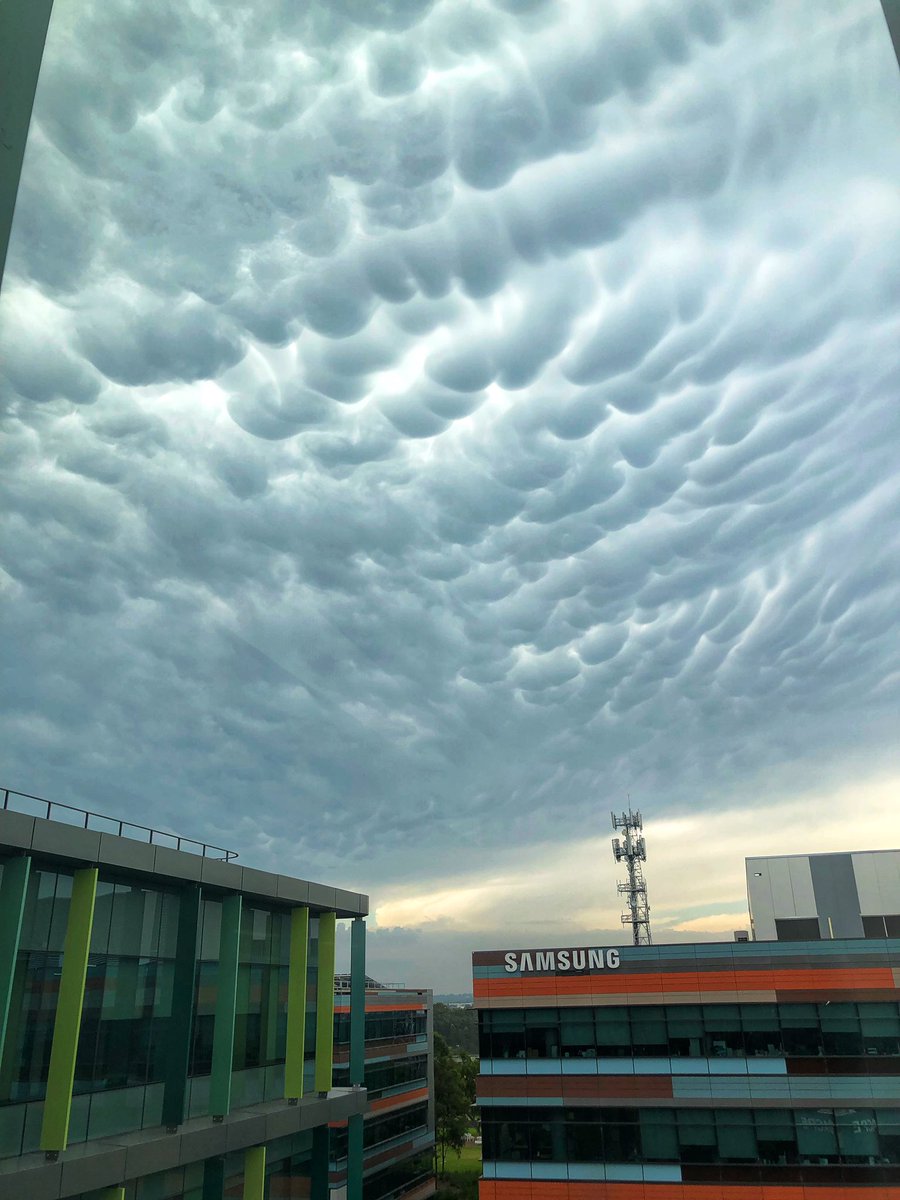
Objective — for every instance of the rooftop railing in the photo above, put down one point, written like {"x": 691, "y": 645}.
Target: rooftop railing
{"x": 55, "y": 810}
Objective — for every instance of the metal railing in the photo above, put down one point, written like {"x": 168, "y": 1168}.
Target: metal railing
{"x": 13, "y": 802}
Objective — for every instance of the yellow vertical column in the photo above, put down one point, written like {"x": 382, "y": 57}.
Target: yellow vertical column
{"x": 254, "y": 1172}
{"x": 66, "y": 1026}
{"x": 296, "y": 1005}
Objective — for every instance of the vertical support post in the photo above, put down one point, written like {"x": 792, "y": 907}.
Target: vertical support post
{"x": 325, "y": 1003}
{"x": 213, "y": 1178}
{"x": 181, "y": 1022}
{"x": 318, "y": 1183}
{"x": 113, "y": 1193}
{"x": 357, "y": 1053}
{"x": 358, "y": 1001}
{"x": 23, "y": 32}
{"x": 226, "y": 1008}
{"x": 67, "y": 1023}
{"x": 13, "y": 889}
{"x": 254, "y": 1172}
{"x": 296, "y": 1005}
{"x": 429, "y": 1050}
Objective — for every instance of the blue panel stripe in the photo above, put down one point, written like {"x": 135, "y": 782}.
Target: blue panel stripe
{"x": 593, "y": 1172}
{"x": 634, "y": 1066}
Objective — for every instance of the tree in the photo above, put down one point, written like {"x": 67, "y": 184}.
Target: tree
{"x": 458, "y": 1025}
{"x": 454, "y": 1095}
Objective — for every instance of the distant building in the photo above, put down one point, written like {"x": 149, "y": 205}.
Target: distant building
{"x": 398, "y": 1129}
{"x": 811, "y": 897}
{"x": 742, "y": 1070}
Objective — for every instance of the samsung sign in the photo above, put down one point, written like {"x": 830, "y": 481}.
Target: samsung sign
{"x": 560, "y": 960}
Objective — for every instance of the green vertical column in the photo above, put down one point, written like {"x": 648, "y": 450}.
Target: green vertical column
{"x": 357, "y": 1053}
{"x": 296, "y": 1004}
{"x": 13, "y": 889}
{"x": 318, "y": 1181}
{"x": 213, "y": 1179}
{"x": 113, "y": 1193}
{"x": 325, "y": 1003}
{"x": 226, "y": 1008}
{"x": 254, "y": 1173}
{"x": 67, "y": 1023}
{"x": 358, "y": 1001}
{"x": 181, "y": 1021}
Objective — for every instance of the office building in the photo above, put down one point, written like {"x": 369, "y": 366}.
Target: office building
{"x": 398, "y": 1129}
{"x": 717, "y": 1071}
{"x": 807, "y": 897}
{"x": 166, "y": 1018}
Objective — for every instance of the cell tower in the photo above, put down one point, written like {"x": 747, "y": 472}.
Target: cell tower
{"x": 632, "y": 849}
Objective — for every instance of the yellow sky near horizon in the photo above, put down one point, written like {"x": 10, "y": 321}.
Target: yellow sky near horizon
{"x": 695, "y": 869}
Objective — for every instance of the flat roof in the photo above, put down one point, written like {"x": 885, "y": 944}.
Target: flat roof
{"x": 67, "y": 844}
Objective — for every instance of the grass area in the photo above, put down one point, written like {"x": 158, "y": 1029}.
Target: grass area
{"x": 467, "y": 1162}
{"x": 460, "y": 1178}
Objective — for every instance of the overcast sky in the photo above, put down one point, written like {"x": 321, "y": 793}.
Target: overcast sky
{"x": 429, "y": 421}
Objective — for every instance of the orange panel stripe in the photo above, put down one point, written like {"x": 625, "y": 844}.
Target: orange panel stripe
{"x": 695, "y": 981}
{"x": 398, "y": 1099}
{"x": 523, "y": 1189}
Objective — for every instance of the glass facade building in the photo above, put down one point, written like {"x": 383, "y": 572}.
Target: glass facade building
{"x": 398, "y": 1130}
{"x": 163, "y": 1032}
{"x": 691, "y": 1072}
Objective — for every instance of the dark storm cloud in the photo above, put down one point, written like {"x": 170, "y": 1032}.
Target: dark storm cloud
{"x": 428, "y": 420}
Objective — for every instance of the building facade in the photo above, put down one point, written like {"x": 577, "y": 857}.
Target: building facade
{"x": 717, "y": 1071}
{"x": 398, "y": 1129}
{"x": 163, "y": 1031}
{"x": 808, "y": 897}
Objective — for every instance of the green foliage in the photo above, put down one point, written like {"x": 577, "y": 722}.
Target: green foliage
{"x": 460, "y": 1178}
{"x": 459, "y": 1026}
{"x": 454, "y": 1095}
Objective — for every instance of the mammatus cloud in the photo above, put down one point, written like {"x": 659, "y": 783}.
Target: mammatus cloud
{"x": 426, "y": 422}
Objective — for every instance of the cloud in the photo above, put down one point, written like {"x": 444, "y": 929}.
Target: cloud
{"x": 424, "y": 423}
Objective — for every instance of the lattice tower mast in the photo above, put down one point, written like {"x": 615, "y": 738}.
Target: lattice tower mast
{"x": 632, "y": 850}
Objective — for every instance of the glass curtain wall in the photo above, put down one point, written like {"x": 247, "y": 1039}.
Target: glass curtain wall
{"x": 832, "y": 1029}
{"x": 128, "y": 1006}
{"x": 779, "y": 1136}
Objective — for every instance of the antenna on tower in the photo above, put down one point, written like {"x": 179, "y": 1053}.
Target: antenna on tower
{"x": 632, "y": 850}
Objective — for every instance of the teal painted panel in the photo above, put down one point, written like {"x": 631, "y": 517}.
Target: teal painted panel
{"x": 181, "y": 1022}
{"x": 226, "y": 1008}
{"x": 214, "y": 1179}
{"x": 354, "y": 1157}
{"x": 13, "y": 889}
{"x": 358, "y": 1001}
